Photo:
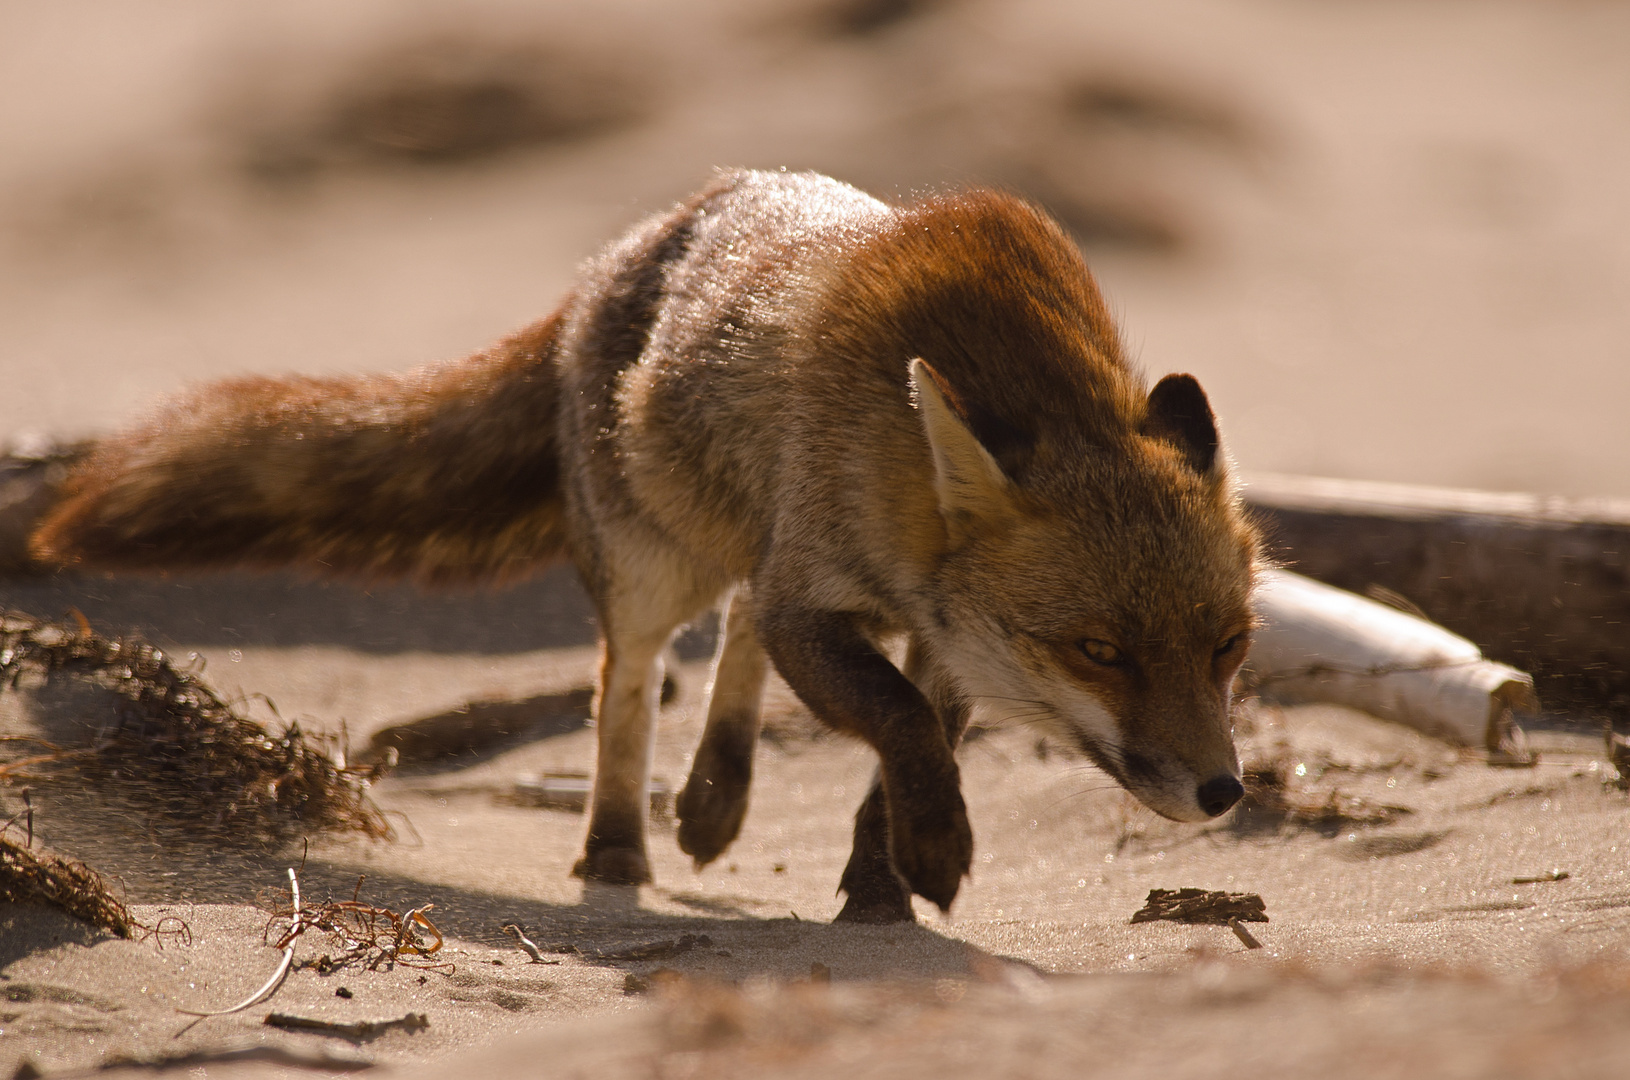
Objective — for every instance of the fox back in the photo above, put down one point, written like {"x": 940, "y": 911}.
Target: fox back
{"x": 1070, "y": 544}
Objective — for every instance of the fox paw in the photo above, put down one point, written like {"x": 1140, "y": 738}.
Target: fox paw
{"x": 614, "y": 866}
{"x": 932, "y": 846}
{"x": 714, "y": 802}
{"x": 875, "y": 898}
{"x": 888, "y": 911}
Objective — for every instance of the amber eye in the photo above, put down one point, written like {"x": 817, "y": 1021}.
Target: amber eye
{"x": 1228, "y": 646}
{"x": 1100, "y": 652}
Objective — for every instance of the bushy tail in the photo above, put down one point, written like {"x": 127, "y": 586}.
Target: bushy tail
{"x": 445, "y": 475}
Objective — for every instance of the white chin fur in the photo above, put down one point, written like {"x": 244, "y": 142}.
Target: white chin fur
{"x": 1174, "y": 809}
{"x": 1074, "y": 714}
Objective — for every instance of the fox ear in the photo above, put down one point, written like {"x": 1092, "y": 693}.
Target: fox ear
{"x": 970, "y": 485}
{"x": 1180, "y": 414}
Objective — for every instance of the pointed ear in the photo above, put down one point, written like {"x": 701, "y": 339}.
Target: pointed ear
{"x": 970, "y": 485}
{"x": 1180, "y": 414}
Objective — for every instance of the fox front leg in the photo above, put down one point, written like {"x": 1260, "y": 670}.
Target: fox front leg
{"x": 852, "y": 687}
{"x": 876, "y": 893}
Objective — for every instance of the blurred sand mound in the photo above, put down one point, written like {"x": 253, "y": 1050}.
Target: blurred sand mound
{"x": 1388, "y": 239}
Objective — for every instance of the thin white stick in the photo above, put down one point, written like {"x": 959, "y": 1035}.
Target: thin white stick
{"x": 282, "y": 972}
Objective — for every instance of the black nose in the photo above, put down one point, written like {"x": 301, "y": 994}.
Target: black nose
{"x": 1219, "y": 793}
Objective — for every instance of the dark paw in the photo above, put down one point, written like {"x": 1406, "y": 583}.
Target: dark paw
{"x": 709, "y": 819}
{"x": 886, "y": 911}
{"x": 932, "y": 845}
{"x": 614, "y": 866}
{"x": 876, "y": 894}
{"x": 714, "y": 802}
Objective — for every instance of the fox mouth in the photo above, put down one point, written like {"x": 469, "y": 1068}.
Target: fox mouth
{"x": 1145, "y": 781}
{"x": 1174, "y": 791}
{"x": 1121, "y": 767}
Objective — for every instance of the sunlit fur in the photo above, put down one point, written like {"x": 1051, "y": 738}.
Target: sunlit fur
{"x": 1165, "y": 583}
{"x": 858, "y": 420}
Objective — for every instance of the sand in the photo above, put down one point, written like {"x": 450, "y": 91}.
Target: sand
{"x": 1389, "y": 239}
{"x": 1413, "y": 930}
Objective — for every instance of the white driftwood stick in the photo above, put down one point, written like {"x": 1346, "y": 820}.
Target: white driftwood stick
{"x": 1322, "y": 644}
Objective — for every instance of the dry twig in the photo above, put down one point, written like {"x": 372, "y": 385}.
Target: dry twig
{"x": 360, "y": 1030}
{"x": 526, "y": 944}
{"x": 1247, "y": 938}
{"x": 269, "y": 987}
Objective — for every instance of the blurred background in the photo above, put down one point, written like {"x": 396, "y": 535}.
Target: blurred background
{"x": 1391, "y": 237}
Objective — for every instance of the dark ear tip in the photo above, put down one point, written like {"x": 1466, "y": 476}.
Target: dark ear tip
{"x": 1180, "y": 414}
{"x": 1180, "y": 388}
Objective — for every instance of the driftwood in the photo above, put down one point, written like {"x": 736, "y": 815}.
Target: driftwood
{"x": 1540, "y": 583}
{"x": 1319, "y": 643}
{"x": 357, "y": 1031}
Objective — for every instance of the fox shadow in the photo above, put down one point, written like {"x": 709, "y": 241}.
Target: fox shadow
{"x": 230, "y": 609}
{"x": 608, "y": 926}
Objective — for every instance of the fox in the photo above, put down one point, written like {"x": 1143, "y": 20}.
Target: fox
{"x": 844, "y": 424}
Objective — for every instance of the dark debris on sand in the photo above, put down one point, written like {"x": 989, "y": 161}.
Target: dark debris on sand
{"x": 176, "y": 748}
{"x": 38, "y": 877}
{"x": 1201, "y": 906}
{"x": 1275, "y": 799}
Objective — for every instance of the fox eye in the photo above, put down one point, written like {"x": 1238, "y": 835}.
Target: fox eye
{"x": 1100, "y": 652}
{"x": 1228, "y": 646}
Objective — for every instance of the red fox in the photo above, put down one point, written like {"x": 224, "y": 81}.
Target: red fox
{"x": 843, "y": 423}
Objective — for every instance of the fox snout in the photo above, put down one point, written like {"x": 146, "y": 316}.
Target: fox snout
{"x": 1218, "y": 794}
{"x": 1174, "y": 792}
{"x": 1163, "y": 730}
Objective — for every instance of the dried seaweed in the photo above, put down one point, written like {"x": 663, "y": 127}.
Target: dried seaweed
{"x": 175, "y": 747}
{"x": 38, "y": 877}
{"x": 367, "y": 936}
{"x": 1274, "y": 798}
{"x": 1201, "y": 906}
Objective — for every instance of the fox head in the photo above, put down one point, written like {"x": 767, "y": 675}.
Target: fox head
{"x": 1106, "y": 596}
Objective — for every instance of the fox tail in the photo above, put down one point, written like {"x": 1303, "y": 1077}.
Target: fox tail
{"x": 444, "y": 475}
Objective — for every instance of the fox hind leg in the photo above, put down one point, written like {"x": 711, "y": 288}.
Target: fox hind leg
{"x": 638, "y": 620}
{"x": 876, "y": 892}
{"x": 714, "y": 801}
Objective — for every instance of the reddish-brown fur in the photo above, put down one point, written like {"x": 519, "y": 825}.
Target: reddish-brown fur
{"x": 849, "y": 423}
{"x": 444, "y": 475}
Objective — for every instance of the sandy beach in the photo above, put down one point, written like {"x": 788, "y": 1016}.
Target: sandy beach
{"x": 1404, "y": 898}
{"x": 1389, "y": 239}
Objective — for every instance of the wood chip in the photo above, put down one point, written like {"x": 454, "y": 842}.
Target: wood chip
{"x": 1201, "y": 906}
